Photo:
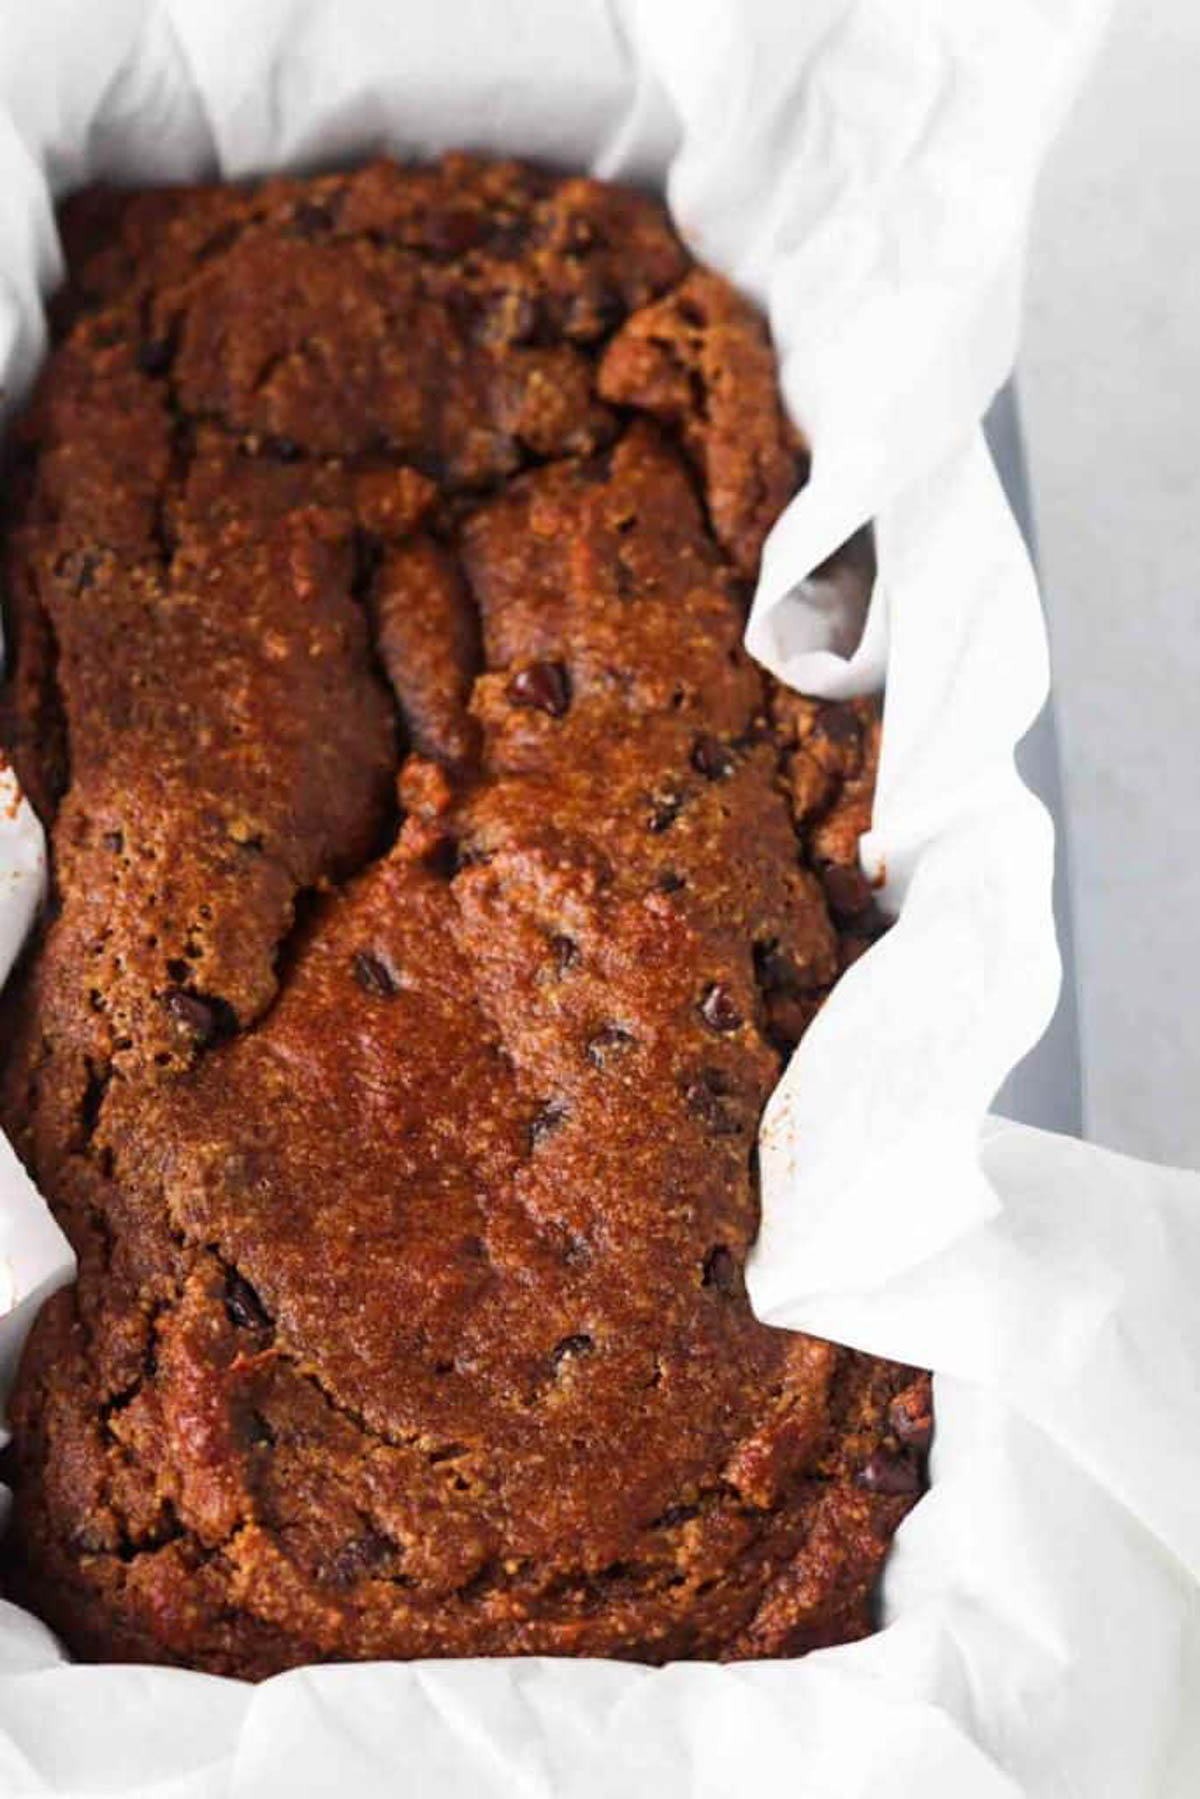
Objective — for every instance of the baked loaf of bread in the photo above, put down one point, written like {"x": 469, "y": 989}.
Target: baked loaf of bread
{"x": 437, "y": 890}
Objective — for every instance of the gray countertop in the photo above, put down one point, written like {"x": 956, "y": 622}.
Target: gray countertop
{"x": 1109, "y": 390}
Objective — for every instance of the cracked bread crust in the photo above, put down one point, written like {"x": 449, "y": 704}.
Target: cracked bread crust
{"x": 438, "y": 889}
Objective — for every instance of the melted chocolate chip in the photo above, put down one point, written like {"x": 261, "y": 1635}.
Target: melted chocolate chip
{"x": 546, "y": 1121}
{"x": 543, "y": 686}
{"x": 721, "y": 1270}
{"x": 565, "y": 951}
{"x": 507, "y": 236}
{"x": 114, "y": 841}
{"x": 578, "y": 1345}
{"x": 255, "y": 1430}
{"x": 718, "y": 1009}
{"x": 311, "y": 219}
{"x": 243, "y": 1305}
{"x": 839, "y": 723}
{"x": 910, "y": 1420}
{"x": 373, "y": 975}
{"x": 595, "y": 312}
{"x": 712, "y": 758}
{"x": 154, "y": 356}
{"x": 706, "y": 1099}
{"x": 670, "y": 881}
{"x": 194, "y": 1017}
{"x": 675, "y": 1515}
{"x": 891, "y": 1475}
{"x": 442, "y": 858}
{"x": 608, "y": 1045}
{"x": 847, "y": 890}
{"x": 452, "y": 231}
{"x": 665, "y": 809}
{"x": 86, "y": 573}
{"x": 773, "y": 970}
{"x": 283, "y": 449}
{"x": 358, "y": 1558}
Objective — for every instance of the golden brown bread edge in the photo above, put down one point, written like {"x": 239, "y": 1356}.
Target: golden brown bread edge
{"x": 438, "y": 890}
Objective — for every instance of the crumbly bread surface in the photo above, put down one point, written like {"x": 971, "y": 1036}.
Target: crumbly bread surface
{"x": 438, "y": 889}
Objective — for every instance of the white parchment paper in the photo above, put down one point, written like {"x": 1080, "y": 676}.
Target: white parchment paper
{"x": 864, "y": 168}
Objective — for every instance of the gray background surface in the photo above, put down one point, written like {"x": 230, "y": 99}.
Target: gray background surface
{"x": 1046, "y": 1089}
{"x": 1109, "y": 391}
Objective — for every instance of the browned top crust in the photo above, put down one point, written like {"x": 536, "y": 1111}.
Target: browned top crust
{"x": 437, "y": 889}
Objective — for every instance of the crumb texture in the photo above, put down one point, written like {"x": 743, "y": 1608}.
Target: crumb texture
{"x": 437, "y": 892}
